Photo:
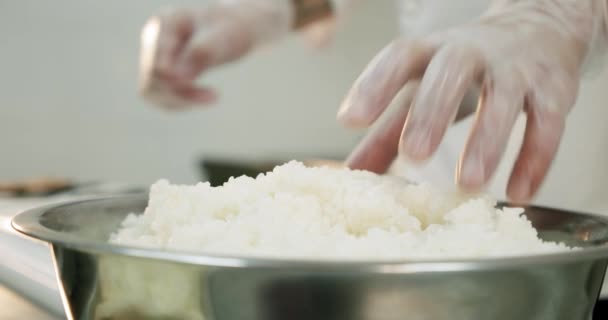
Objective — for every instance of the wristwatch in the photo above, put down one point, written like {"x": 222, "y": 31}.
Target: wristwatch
{"x": 310, "y": 11}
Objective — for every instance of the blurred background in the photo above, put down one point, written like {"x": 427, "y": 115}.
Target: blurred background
{"x": 69, "y": 109}
{"x": 69, "y": 106}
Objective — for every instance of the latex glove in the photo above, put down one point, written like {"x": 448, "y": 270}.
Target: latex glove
{"x": 526, "y": 55}
{"x": 177, "y": 46}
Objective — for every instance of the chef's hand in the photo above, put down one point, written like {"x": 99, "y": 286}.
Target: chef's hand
{"x": 177, "y": 46}
{"x": 526, "y": 55}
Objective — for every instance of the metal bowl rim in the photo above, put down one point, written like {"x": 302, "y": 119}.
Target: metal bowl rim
{"x": 28, "y": 224}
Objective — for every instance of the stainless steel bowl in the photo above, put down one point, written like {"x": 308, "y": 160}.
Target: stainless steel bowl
{"x": 103, "y": 281}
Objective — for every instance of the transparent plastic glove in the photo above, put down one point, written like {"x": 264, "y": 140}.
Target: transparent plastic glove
{"x": 525, "y": 55}
{"x": 180, "y": 45}
{"x": 177, "y": 46}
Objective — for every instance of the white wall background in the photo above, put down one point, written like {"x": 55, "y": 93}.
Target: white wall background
{"x": 69, "y": 107}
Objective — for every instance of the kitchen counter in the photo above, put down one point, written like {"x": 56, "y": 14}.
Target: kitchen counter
{"x": 27, "y": 282}
{"x": 21, "y": 307}
{"x": 27, "y": 275}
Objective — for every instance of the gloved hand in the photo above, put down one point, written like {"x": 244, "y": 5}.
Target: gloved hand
{"x": 177, "y": 46}
{"x": 526, "y": 55}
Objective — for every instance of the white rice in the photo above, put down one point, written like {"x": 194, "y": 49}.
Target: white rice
{"x": 328, "y": 213}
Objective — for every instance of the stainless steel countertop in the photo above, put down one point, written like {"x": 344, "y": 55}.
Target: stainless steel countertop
{"x": 27, "y": 276}
{"x": 21, "y": 308}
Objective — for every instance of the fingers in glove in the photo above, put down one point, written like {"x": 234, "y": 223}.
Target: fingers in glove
{"x": 182, "y": 97}
{"x": 382, "y": 79}
{"x": 547, "y": 105}
{"x": 162, "y": 39}
{"x": 221, "y": 43}
{"x": 501, "y": 102}
{"x": 177, "y": 94}
{"x": 379, "y": 148}
{"x": 448, "y": 77}
{"x": 543, "y": 133}
{"x": 196, "y": 95}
